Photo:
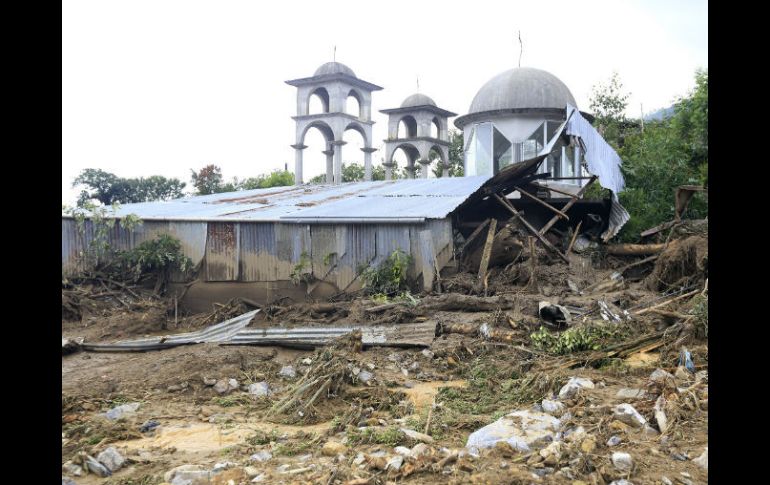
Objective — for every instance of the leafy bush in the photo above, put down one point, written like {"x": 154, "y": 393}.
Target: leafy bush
{"x": 276, "y": 178}
{"x": 575, "y": 339}
{"x": 157, "y": 257}
{"x": 390, "y": 277}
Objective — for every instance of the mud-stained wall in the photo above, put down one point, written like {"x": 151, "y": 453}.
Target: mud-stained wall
{"x": 315, "y": 259}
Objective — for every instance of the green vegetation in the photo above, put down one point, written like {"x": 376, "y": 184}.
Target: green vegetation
{"x": 575, "y": 339}
{"x": 658, "y": 157}
{"x": 262, "y": 438}
{"x": 301, "y": 271}
{"x": 209, "y": 180}
{"x": 98, "y": 222}
{"x": 159, "y": 256}
{"x": 390, "y": 277}
{"x": 108, "y": 188}
{"x": 276, "y": 178}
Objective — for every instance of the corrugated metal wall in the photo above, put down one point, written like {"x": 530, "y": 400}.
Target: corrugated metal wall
{"x": 267, "y": 251}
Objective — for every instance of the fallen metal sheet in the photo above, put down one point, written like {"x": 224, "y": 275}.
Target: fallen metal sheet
{"x": 215, "y": 333}
{"x": 397, "y": 335}
{"x": 233, "y": 332}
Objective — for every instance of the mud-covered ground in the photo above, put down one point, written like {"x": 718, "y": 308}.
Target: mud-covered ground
{"x": 388, "y": 415}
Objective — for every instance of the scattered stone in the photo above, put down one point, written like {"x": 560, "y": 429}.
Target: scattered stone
{"x": 626, "y": 413}
{"x": 209, "y": 381}
{"x": 149, "y": 426}
{"x": 394, "y": 464}
{"x": 622, "y": 461}
{"x": 427, "y": 354}
{"x": 307, "y": 361}
{"x": 174, "y": 388}
{"x": 416, "y": 435}
{"x": 365, "y": 376}
{"x": 207, "y": 411}
{"x": 187, "y": 472}
{"x": 522, "y": 429}
{"x": 682, "y": 374}
{"x": 67, "y": 481}
{"x": 111, "y": 459}
{"x": 259, "y": 478}
{"x": 552, "y": 453}
{"x": 666, "y": 480}
{"x": 660, "y": 413}
{"x": 650, "y": 431}
{"x": 588, "y": 445}
{"x": 659, "y": 376}
{"x": 614, "y": 440}
{"x": 626, "y": 393}
{"x": 288, "y": 372}
{"x": 220, "y": 467}
{"x": 622, "y": 481}
{"x": 575, "y": 434}
{"x": 574, "y": 385}
{"x": 250, "y": 471}
{"x": 72, "y": 469}
{"x": 282, "y": 468}
{"x": 261, "y": 456}
{"x": 333, "y": 448}
{"x": 679, "y": 456}
{"x": 259, "y": 389}
{"x": 225, "y": 386}
{"x": 420, "y": 449}
{"x": 402, "y": 450}
{"x": 618, "y": 426}
{"x": 121, "y": 411}
{"x": 703, "y": 460}
{"x": 360, "y": 458}
{"x": 554, "y": 408}
{"x": 93, "y": 466}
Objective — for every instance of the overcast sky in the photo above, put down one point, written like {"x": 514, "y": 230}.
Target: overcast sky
{"x": 159, "y": 87}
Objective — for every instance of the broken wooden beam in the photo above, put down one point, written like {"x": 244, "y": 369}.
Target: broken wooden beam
{"x": 475, "y": 234}
{"x": 542, "y": 239}
{"x": 569, "y": 204}
{"x": 547, "y": 187}
{"x": 635, "y": 249}
{"x": 574, "y": 238}
{"x": 542, "y": 202}
{"x": 487, "y": 249}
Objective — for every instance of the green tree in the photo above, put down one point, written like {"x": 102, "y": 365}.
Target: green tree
{"x": 608, "y": 103}
{"x": 455, "y": 155}
{"x": 109, "y": 189}
{"x": 207, "y": 180}
{"x": 276, "y": 178}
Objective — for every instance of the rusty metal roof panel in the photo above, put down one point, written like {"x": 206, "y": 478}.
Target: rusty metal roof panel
{"x": 411, "y": 200}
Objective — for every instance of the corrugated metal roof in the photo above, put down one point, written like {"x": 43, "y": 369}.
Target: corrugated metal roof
{"x": 410, "y": 200}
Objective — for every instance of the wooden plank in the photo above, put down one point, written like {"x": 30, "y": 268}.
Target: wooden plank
{"x": 635, "y": 249}
{"x": 475, "y": 234}
{"x": 566, "y": 207}
{"x": 487, "y": 249}
{"x": 543, "y": 203}
{"x": 546, "y": 187}
{"x": 574, "y": 237}
{"x": 504, "y": 202}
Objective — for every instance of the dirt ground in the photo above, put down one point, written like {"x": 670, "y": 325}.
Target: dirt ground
{"x": 330, "y": 425}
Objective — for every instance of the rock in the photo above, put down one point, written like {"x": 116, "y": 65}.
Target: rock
{"x": 626, "y": 413}
{"x": 588, "y": 445}
{"x": 666, "y": 480}
{"x": 307, "y": 361}
{"x": 420, "y": 449}
{"x": 394, "y": 464}
{"x": 427, "y": 354}
{"x": 288, "y": 372}
{"x": 259, "y": 389}
{"x": 193, "y": 473}
{"x": 119, "y": 412}
{"x": 703, "y": 460}
{"x": 333, "y": 448}
{"x": 622, "y": 481}
{"x": 93, "y": 466}
{"x": 660, "y": 376}
{"x": 682, "y": 374}
{"x": 574, "y": 385}
{"x": 575, "y": 434}
{"x": 365, "y": 376}
{"x": 523, "y": 430}
{"x": 648, "y": 430}
{"x": 220, "y": 467}
{"x": 250, "y": 471}
{"x": 616, "y": 425}
{"x": 209, "y": 381}
{"x": 174, "y": 388}
{"x": 554, "y": 408}
{"x": 402, "y": 450}
{"x": 416, "y": 435}
{"x": 261, "y": 456}
{"x": 207, "y": 411}
{"x": 225, "y": 386}
{"x": 622, "y": 461}
{"x": 626, "y": 393}
{"x": 67, "y": 481}
{"x": 148, "y": 426}
{"x": 360, "y": 458}
{"x": 552, "y": 453}
{"x": 111, "y": 459}
{"x": 614, "y": 440}
{"x": 72, "y": 469}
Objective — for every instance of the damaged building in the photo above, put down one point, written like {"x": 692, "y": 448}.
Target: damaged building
{"x": 529, "y": 157}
